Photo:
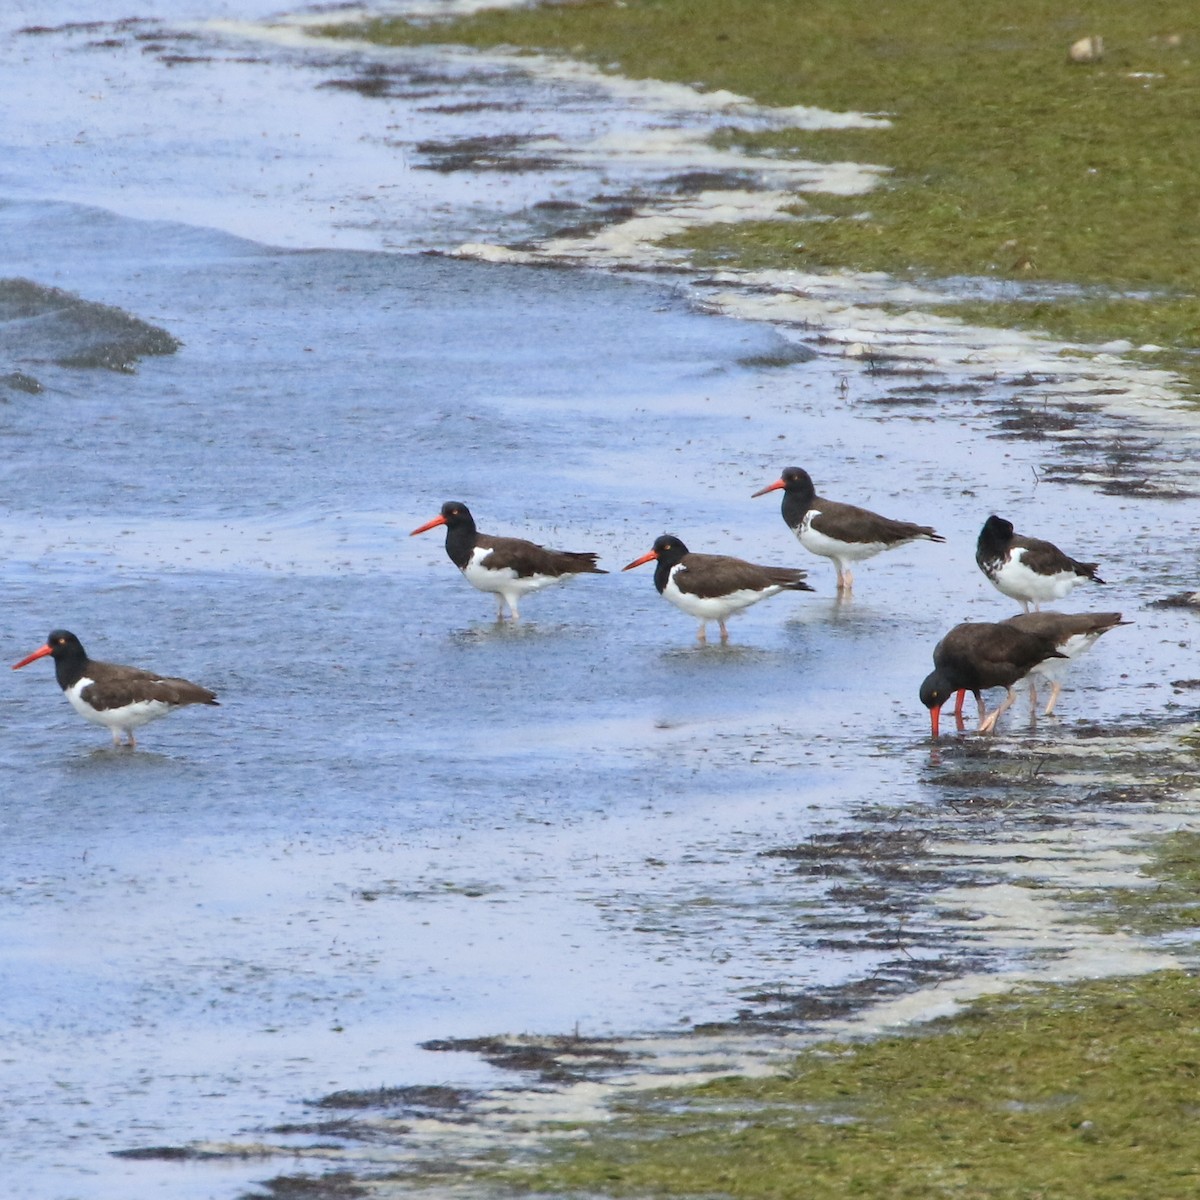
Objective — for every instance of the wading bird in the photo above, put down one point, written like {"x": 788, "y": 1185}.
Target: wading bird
{"x": 712, "y": 587}
{"x": 976, "y": 656}
{"x": 507, "y": 567}
{"x": 842, "y": 532}
{"x": 121, "y": 699}
{"x": 1028, "y": 570}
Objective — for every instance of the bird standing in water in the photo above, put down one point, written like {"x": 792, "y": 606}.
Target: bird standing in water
{"x": 1028, "y": 570}
{"x": 507, "y": 567}
{"x": 712, "y": 587}
{"x": 121, "y": 699}
{"x": 842, "y": 532}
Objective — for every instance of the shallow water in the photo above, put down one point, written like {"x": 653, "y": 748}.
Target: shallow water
{"x": 406, "y": 822}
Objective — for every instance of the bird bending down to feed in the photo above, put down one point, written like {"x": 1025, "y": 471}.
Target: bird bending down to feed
{"x": 975, "y": 656}
{"x": 712, "y": 587}
{"x": 1028, "y": 570}
{"x": 842, "y": 532}
{"x": 508, "y": 567}
{"x": 121, "y": 699}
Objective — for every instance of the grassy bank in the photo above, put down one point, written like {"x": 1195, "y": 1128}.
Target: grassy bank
{"x": 1007, "y": 160}
{"x": 1087, "y": 1091}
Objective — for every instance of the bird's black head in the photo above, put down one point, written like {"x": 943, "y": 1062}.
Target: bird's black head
{"x": 65, "y": 648}
{"x": 935, "y": 690}
{"x": 796, "y": 483}
{"x": 669, "y": 549}
{"x": 996, "y": 529}
{"x": 455, "y": 512}
{"x": 456, "y": 517}
{"x": 796, "y": 479}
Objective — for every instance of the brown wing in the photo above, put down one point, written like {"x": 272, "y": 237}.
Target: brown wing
{"x": 115, "y": 686}
{"x": 1045, "y": 558}
{"x": 984, "y": 655}
{"x": 712, "y": 575}
{"x": 528, "y": 558}
{"x": 849, "y": 523}
{"x": 1061, "y": 626}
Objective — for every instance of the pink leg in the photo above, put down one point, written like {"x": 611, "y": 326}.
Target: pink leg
{"x": 989, "y": 722}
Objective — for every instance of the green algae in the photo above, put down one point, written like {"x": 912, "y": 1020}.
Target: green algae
{"x": 1088, "y": 1090}
{"x": 1005, "y": 158}
{"x": 1169, "y": 902}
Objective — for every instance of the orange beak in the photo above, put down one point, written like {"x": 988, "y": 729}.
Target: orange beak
{"x": 771, "y": 487}
{"x": 33, "y": 657}
{"x": 637, "y": 562}
{"x": 935, "y": 716}
{"x": 428, "y": 525}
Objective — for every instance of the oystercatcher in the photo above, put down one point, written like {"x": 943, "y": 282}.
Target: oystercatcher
{"x": 1028, "y": 569}
{"x": 1073, "y": 634}
{"x": 712, "y": 587}
{"x": 842, "y": 532}
{"x": 121, "y": 699}
{"x": 508, "y": 567}
{"x": 979, "y": 655}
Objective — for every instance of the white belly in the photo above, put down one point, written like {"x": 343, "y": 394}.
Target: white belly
{"x": 130, "y": 716}
{"x": 816, "y": 542}
{"x": 504, "y": 582}
{"x": 1055, "y": 668}
{"x": 1015, "y": 579}
{"x": 714, "y": 608}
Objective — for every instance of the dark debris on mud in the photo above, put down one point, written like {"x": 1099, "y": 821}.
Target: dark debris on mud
{"x": 497, "y": 152}
{"x": 884, "y": 874}
{"x": 1086, "y": 450}
{"x": 333, "y": 1185}
{"x": 785, "y": 1012}
{"x": 419, "y": 1098}
{"x": 400, "y": 82}
{"x": 692, "y": 183}
{"x": 380, "y": 1113}
{"x": 1180, "y": 600}
{"x": 341, "y": 1131}
{"x": 785, "y": 354}
{"x": 561, "y": 1059}
{"x": 183, "y": 1154}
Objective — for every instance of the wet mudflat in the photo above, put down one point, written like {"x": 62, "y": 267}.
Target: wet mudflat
{"x": 407, "y": 824}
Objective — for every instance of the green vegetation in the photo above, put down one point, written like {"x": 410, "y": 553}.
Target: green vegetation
{"x": 1059, "y": 1093}
{"x": 1169, "y": 904}
{"x": 1006, "y": 159}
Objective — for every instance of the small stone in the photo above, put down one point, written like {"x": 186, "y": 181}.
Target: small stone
{"x": 1087, "y": 50}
